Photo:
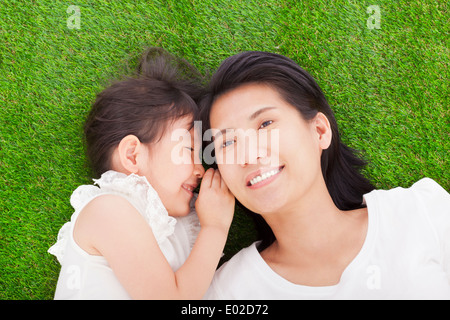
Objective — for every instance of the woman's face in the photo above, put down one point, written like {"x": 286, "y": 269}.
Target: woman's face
{"x": 284, "y": 165}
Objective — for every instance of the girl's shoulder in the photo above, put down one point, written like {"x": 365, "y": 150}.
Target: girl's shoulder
{"x": 134, "y": 189}
{"x": 107, "y": 213}
{"x": 111, "y": 191}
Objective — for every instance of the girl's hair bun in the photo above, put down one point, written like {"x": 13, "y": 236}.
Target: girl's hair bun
{"x": 156, "y": 63}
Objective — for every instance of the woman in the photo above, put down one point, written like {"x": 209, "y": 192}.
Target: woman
{"x": 325, "y": 233}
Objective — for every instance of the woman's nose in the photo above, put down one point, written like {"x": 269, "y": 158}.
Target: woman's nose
{"x": 263, "y": 149}
{"x": 250, "y": 152}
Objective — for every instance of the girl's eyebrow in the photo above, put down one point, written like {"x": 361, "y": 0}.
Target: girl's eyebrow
{"x": 258, "y": 112}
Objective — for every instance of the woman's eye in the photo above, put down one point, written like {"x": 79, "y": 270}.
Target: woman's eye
{"x": 227, "y": 143}
{"x": 265, "y": 124}
{"x": 190, "y": 149}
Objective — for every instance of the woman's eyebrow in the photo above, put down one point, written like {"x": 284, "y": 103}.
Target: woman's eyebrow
{"x": 216, "y": 133}
{"x": 254, "y": 115}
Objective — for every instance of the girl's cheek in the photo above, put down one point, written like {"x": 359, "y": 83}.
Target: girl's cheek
{"x": 186, "y": 169}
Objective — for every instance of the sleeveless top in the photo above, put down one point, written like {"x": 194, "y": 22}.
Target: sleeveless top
{"x": 85, "y": 276}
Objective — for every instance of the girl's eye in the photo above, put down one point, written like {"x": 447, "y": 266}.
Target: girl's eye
{"x": 265, "y": 124}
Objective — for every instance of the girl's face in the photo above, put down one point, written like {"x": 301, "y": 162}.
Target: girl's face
{"x": 174, "y": 167}
{"x": 285, "y": 165}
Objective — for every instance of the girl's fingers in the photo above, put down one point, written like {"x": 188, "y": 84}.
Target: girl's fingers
{"x": 208, "y": 178}
{"x": 224, "y": 185}
{"x": 213, "y": 179}
{"x": 216, "y": 179}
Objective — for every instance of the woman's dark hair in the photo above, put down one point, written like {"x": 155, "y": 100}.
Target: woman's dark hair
{"x": 341, "y": 167}
{"x": 163, "y": 89}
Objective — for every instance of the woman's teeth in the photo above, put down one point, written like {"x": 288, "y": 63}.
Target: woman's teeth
{"x": 264, "y": 176}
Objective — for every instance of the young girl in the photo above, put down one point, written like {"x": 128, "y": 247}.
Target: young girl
{"x": 131, "y": 235}
{"x": 325, "y": 232}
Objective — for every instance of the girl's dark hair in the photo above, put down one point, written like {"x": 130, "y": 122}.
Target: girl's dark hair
{"x": 164, "y": 88}
{"x": 341, "y": 168}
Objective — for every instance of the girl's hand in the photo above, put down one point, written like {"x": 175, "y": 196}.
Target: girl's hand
{"x": 215, "y": 203}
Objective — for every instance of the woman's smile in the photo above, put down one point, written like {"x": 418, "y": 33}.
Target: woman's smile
{"x": 262, "y": 177}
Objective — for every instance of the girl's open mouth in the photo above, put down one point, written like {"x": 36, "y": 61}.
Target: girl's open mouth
{"x": 189, "y": 188}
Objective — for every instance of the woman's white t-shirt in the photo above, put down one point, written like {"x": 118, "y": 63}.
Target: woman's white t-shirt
{"x": 406, "y": 255}
{"x": 87, "y": 277}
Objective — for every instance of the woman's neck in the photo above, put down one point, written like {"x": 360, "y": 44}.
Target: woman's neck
{"x": 314, "y": 224}
{"x": 304, "y": 223}
{"x": 315, "y": 241}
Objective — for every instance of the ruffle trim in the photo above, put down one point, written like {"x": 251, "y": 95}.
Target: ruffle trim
{"x": 59, "y": 248}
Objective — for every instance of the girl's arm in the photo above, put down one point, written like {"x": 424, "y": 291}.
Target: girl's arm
{"x": 110, "y": 226}
{"x": 215, "y": 208}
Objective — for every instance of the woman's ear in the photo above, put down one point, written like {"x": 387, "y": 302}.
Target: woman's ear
{"x": 128, "y": 150}
{"x": 323, "y": 129}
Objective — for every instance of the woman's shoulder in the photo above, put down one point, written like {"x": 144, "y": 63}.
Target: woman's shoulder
{"x": 241, "y": 258}
{"x": 233, "y": 274}
{"x": 428, "y": 188}
{"x": 423, "y": 205}
{"x": 425, "y": 192}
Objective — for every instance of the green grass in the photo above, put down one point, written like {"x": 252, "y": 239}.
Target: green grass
{"x": 388, "y": 88}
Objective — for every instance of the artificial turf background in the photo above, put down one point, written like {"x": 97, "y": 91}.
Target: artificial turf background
{"x": 387, "y": 86}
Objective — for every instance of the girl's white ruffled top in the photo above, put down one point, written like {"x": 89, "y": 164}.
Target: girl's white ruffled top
{"x": 85, "y": 276}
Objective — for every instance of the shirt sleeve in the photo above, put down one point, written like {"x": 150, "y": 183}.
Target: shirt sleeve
{"x": 437, "y": 201}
